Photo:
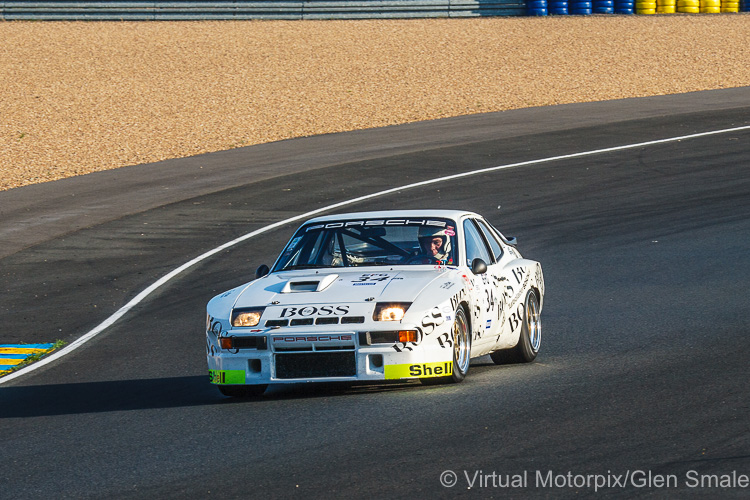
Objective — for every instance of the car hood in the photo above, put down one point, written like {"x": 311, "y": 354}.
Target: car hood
{"x": 340, "y": 286}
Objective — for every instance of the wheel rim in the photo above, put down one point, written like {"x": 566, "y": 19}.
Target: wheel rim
{"x": 461, "y": 343}
{"x": 534, "y": 323}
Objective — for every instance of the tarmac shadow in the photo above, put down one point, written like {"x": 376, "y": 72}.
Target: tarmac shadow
{"x": 108, "y": 396}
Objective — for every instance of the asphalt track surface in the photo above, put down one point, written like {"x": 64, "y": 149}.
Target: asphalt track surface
{"x": 643, "y": 367}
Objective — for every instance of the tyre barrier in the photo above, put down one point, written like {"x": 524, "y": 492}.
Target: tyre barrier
{"x": 536, "y": 8}
{"x": 624, "y": 7}
{"x": 666, "y": 6}
{"x": 558, "y": 7}
{"x": 578, "y": 8}
{"x": 647, "y": 7}
{"x": 688, "y": 6}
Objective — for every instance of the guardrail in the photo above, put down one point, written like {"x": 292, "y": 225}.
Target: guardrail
{"x": 256, "y": 9}
{"x": 115, "y": 10}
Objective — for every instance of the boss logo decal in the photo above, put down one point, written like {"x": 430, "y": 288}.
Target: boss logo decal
{"x": 432, "y": 320}
{"x": 307, "y": 311}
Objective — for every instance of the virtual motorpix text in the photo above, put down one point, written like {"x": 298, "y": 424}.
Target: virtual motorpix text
{"x": 595, "y": 482}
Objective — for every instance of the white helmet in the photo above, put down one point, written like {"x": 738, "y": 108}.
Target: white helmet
{"x": 428, "y": 233}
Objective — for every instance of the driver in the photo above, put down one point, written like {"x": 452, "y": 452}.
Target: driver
{"x": 434, "y": 242}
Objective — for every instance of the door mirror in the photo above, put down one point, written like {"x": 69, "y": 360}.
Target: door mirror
{"x": 261, "y": 271}
{"x": 478, "y": 266}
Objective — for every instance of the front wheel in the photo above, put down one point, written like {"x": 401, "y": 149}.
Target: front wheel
{"x": 242, "y": 391}
{"x": 461, "y": 352}
{"x": 530, "y": 339}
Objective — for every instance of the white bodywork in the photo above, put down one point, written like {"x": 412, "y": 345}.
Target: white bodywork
{"x": 317, "y": 324}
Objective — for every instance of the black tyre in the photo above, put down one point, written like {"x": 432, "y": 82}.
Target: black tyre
{"x": 461, "y": 352}
{"x": 242, "y": 391}
{"x": 531, "y": 336}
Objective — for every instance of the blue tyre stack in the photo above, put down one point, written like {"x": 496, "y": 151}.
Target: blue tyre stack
{"x": 745, "y": 6}
{"x": 579, "y": 8}
{"x": 603, "y": 6}
{"x": 558, "y": 7}
{"x": 536, "y": 7}
{"x": 624, "y": 7}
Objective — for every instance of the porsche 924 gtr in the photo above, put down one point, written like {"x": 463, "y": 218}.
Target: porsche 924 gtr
{"x": 378, "y": 296}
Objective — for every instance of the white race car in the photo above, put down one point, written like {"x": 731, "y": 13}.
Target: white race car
{"x": 375, "y": 296}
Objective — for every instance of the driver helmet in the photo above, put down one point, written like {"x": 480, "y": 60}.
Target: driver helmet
{"x": 425, "y": 236}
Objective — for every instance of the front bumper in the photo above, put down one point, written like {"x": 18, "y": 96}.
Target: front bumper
{"x": 291, "y": 355}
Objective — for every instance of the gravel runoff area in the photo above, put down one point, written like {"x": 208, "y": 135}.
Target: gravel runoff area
{"x": 78, "y": 97}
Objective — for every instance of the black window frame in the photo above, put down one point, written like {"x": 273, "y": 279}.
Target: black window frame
{"x": 484, "y": 228}
{"x": 487, "y": 248}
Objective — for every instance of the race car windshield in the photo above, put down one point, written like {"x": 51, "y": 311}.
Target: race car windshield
{"x": 372, "y": 242}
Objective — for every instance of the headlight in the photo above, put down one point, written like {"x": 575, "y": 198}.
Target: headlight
{"x": 246, "y": 317}
{"x": 390, "y": 311}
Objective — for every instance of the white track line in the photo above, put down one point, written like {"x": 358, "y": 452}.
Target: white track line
{"x": 145, "y": 293}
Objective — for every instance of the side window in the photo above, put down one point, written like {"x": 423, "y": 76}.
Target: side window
{"x": 475, "y": 246}
{"x": 497, "y": 250}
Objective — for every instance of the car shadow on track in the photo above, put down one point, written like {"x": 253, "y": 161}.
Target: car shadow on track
{"x": 144, "y": 394}
{"x": 173, "y": 392}
{"x": 97, "y": 397}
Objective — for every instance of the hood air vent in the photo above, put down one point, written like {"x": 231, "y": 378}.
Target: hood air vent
{"x": 309, "y": 284}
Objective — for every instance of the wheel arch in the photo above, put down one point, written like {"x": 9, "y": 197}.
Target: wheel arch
{"x": 467, "y": 313}
{"x": 539, "y": 298}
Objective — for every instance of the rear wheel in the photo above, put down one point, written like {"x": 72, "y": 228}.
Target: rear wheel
{"x": 531, "y": 336}
{"x": 461, "y": 352}
{"x": 242, "y": 391}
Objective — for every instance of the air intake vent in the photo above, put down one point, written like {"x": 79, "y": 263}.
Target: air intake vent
{"x": 303, "y": 286}
{"x": 327, "y": 321}
{"x": 309, "y": 284}
{"x": 316, "y": 365}
{"x": 300, "y": 322}
{"x": 352, "y": 319}
{"x": 277, "y": 322}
